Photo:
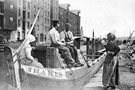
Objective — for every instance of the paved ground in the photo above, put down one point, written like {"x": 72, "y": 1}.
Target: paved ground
{"x": 127, "y": 79}
{"x": 95, "y": 83}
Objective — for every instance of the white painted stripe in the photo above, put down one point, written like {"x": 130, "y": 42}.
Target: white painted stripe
{"x": 16, "y": 67}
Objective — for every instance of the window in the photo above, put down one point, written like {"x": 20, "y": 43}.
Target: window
{"x": 48, "y": 13}
{"x": 38, "y": 18}
{"x": 28, "y": 24}
{"x": 28, "y": 15}
{"x": 19, "y": 23}
{"x": 19, "y": 12}
{"x": 48, "y": 5}
{"x": 23, "y": 25}
{"x": 45, "y": 13}
{"x": 24, "y": 14}
{"x": 11, "y": 6}
{"x": 41, "y": 37}
{"x": 11, "y": 18}
{"x": 34, "y": 16}
{"x": 34, "y": 8}
{"x": 45, "y": 20}
{"x": 45, "y": 37}
{"x": 37, "y": 36}
{"x": 48, "y": 21}
{"x": 38, "y": 27}
{"x": 1, "y": 7}
{"x": 24, "y": 4}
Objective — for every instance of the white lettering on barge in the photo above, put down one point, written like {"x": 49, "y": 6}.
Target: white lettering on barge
{"x": 45, "y": 72}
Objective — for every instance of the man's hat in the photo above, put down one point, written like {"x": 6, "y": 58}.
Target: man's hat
{"x": 31, "y": 38}
{"x": 55, "y": 21}
{"x": 67, "y": 25}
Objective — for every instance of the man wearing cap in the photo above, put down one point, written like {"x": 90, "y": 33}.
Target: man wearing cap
{"x": 67, "y": 37}
{"x": 53, "y": 40}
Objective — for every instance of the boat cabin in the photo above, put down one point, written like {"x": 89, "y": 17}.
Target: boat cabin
{"x": 50, "y": 57}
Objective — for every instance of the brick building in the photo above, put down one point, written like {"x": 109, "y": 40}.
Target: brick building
{"x": 74, "y": 20}
{"x": 48, "y": 12}
{"x": 8, "y": 16}
{"x": 17, "y": 17}
{"x": 63, "y": 15}
{"x": 69, "y": 16}
{"x": 42, "y": 25}
{"x": 1, "y": 15}
{"x": 28, "y": 11}
{"x": 54, "y": 10}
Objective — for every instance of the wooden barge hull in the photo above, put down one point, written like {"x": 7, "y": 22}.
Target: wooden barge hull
{"x": 74, "y": 79}
{"x": 22, "y": 77}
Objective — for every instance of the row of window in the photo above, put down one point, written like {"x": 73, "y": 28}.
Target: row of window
{"x": 55, "y": 9}
{"x": 47, "y": 5}
{"x": 47, "y": 21}
{"x": 47, "y": 13}
{"x": 19, "y": 24}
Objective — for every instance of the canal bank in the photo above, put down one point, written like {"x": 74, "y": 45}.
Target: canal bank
{"x": 127, "y": 79}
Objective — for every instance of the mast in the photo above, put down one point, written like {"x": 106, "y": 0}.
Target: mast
{"x": 130, "y": 36}
{"x": 93, "y": 46}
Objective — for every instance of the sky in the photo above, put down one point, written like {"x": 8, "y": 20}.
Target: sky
{"x": 104, "y": 16}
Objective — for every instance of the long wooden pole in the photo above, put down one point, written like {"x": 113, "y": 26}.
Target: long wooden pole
{"x": 130, "y": 36}
{"x": 24, "y": 42}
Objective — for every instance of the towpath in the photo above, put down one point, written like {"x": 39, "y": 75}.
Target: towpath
{"x": 95, "y": 83}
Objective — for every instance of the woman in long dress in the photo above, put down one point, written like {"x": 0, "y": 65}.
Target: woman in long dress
{"x": 110, "y": 77}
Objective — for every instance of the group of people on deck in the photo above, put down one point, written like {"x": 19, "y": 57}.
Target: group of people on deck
{"x": 63, "y": 42}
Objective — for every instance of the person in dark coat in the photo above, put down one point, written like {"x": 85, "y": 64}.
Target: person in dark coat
{"x": 110, "y": 77}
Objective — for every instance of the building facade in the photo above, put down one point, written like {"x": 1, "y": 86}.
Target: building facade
{"x": 42, "y": 25}
{"x": 54, "y": 10}
{"x": 17, "y": 17}
{"x": 74, "y": 20}
{"x": 1, "y": 16}
{"x": 8, "y": 16}
{"x": 27, "y": 11}
{"x": 63, "y": 15}
{"x": 69, "y": 16}
{"x": 26, "y": 14}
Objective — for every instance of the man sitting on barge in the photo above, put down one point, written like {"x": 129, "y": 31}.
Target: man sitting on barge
{"x": 53, "y": 39}
{"x": 67, "y": 37}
